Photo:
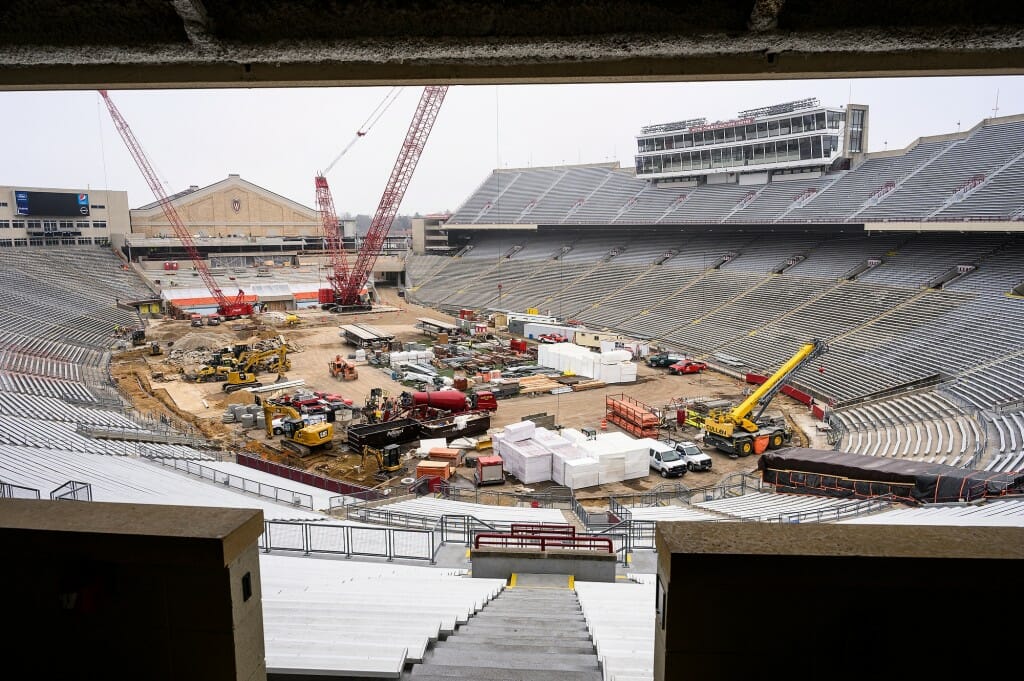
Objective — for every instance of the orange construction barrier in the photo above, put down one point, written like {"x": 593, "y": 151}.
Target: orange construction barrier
{"x": 604, "y": 424}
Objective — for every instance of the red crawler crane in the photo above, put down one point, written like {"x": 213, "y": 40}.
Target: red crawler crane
{"x": 347, "y": 283}
{"x": 227, "y": 308}
{"x": 331, "y": 228}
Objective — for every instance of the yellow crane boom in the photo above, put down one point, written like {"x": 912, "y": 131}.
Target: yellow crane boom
{"x": 735, "y": 432}
{"x": 770, "y": 387}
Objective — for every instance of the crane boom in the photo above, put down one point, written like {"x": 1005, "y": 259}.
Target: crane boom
{"x": 735, "y": 432}
{"x": 331, "y": 228}
{"x": 329, "y": 223}
{"x": 412, "y": 148}
{"x": 773, "y": 384}
{"x": 230, "y": 309}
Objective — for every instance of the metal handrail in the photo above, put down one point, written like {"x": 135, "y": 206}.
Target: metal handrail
{"x": 261, "y": 489}
{"x": 72, "y": 490}
{"x": 542, "y": 542}
{"x": 349, "y": 540}
{"x": 544, "y": 528}
{"x": 11, "y": 491}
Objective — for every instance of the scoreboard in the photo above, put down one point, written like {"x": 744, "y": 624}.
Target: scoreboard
{"x": 51, "y": 203}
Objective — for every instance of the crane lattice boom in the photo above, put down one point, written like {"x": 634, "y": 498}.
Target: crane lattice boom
{"x": 331, "y": 228}
{"x": 394, "y": 192}
{"x": 227, "y": 308}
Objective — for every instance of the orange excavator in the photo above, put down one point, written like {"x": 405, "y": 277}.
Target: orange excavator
{"x": 342, "y": 369}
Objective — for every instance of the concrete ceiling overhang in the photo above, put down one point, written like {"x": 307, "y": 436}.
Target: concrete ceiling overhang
{"x": 87, "y": 44}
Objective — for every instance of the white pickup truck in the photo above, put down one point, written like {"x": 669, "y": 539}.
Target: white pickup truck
{"x": 693, "y": 457}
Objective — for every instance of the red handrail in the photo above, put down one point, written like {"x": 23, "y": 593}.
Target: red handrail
{"x": 543, "y": 528}
{"x": 542, "y": 542}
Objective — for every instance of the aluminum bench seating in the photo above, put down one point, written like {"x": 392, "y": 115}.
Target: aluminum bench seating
{"x": 614, "y": 617}
{"x": 129, "y": 479}
{"x": 435, "y": 508}
{"x": 280, "y": 635}
{"x": 457, "y": 601}
{"x": 766, "y": 506}
{"x": 316, "y": 662}
{"x": 670, "y": 513}
{"x": 993, "y": 512}
{"x": 53, "y": 409}
{"x": 313, "y": 607}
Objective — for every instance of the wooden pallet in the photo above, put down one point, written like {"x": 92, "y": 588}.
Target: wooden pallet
{"x": 588, "y": 385}
{"x": 537, "y": 384}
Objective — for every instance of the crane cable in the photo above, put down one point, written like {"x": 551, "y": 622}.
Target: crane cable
{"x": 374, "y": 116}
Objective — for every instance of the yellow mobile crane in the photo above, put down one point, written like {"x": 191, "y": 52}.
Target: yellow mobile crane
{"x": 735, "y": 433}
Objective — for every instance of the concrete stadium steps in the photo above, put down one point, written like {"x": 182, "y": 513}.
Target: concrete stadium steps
{"x": 525, "y": 634}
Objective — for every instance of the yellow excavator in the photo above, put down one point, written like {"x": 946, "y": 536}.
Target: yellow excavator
{"x": 734, "y": 432}
{"x": 297, "y": 434}
{"x": 389, "y": 461}
{"x": 244, "y": 375}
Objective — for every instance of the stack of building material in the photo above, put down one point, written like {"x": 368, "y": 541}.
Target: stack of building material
{"x": 632, "y": 415}
{"x": 620, "y": 456}
{"x": 577, "y": 473}
{"x": 522, "y": 430}
{"x": 552, "y": 441}
{"x": 411, "y": 356}
{"x": 440, "y": 469}
{"x": 526, "y": 460}
{"x": 426, "y": 444}
{"x": 609, "y": 367}
{"x": 588, "y": 385}
{"x": 537, "y": 384}
{"x": 573, "y": 435}
{"x": 450, "y": 455}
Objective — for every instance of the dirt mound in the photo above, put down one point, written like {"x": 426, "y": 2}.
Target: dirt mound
{"x": 199, "y": 340}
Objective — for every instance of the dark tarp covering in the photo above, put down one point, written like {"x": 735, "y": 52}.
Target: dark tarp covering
{"x": 842, "y": 474}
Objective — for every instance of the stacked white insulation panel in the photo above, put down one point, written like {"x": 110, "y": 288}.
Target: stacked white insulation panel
{"x": 524, "y": 459}
{"x": 611, "y": 367}
{"x": 621, "y": 457}
{"x": 570, "y": 458}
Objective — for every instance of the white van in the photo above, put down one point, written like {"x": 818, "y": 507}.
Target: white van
{"x": 666, "y": 460}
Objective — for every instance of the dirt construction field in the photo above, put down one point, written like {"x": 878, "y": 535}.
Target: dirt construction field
{"x": 156, "y": 387}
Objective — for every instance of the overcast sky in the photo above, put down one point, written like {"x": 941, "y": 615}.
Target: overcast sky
{"x": 280, "y": 138}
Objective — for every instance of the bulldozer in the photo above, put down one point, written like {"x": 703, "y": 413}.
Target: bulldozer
{"x": 298, "y": 435}
{"x": 236, "y": 380}
{"x": 342, "y": 369}
{"x": 389, "y": 461}
{"x": 155, "y": 349}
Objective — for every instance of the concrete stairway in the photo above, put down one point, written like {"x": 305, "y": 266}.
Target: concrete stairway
{"x": 533, "y": 631}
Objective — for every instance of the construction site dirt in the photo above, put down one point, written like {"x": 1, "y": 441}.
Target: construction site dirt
{"x": 157, "y": 386}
